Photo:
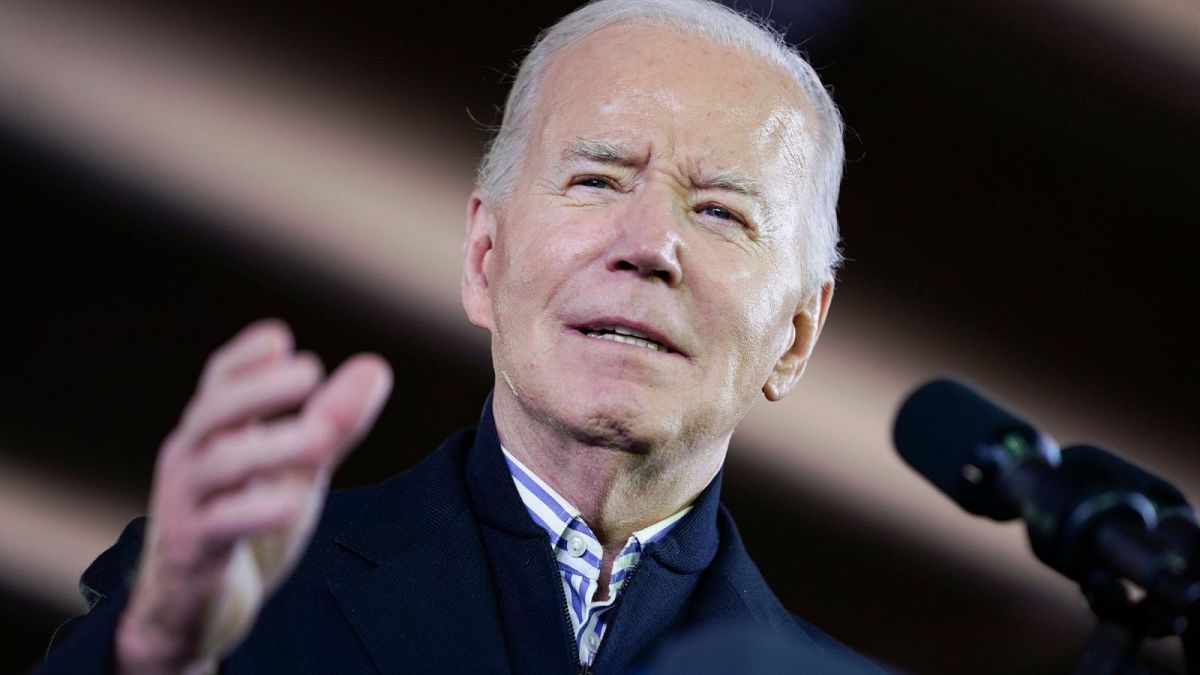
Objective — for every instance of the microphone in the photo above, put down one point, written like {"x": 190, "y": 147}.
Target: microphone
{"x": 978, "y": 454}
{"x": 1090, "y": 515}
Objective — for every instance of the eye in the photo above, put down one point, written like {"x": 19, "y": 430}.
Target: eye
{"x": 594, "y": 182}
{"x": 718, "y": 211}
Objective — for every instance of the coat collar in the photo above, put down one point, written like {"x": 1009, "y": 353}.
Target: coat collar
{"x": 689, "y": 547}
{"x": 490, "y": 485}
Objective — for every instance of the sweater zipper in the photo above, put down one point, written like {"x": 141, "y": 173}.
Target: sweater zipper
{"x": 612, "y": 617}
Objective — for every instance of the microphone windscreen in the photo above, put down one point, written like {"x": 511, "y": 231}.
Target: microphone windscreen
{"x": 941, "y": 427}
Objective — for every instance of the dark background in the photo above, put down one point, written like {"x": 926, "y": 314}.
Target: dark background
{"x": 1023, "y": 171}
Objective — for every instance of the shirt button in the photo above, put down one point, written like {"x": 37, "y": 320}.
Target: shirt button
{"x": 593, "y": 641}
{"x": 576, "y": 546}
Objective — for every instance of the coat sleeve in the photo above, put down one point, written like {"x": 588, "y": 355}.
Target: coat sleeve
{"x": 84, "y": 645}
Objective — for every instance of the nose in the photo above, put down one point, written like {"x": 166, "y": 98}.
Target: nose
{"x": 648, "y": 241}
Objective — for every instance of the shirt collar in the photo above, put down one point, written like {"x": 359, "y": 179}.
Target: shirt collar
{"x": 692, "y": 543}
{"x": 550, "y": 510}
{"x": 558, "y": 516}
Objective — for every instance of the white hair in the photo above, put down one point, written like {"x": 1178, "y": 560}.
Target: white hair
{"x": 500, "y": 166}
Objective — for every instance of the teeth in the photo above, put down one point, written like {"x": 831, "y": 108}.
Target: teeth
{"x": 629, "y": 331}
{"x": 625, "y": 336}
{"x": 629, "y": 340}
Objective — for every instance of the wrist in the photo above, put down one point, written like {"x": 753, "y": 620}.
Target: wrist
{"x": 140, "y": 648}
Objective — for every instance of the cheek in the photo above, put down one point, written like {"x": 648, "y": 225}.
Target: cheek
{"x": 539, "y": 265}
{"x": 753, "y": 324}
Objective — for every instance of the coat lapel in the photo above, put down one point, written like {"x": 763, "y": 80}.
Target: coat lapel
{"x": 536, "y": 628}
{"x": 420, "y": 596}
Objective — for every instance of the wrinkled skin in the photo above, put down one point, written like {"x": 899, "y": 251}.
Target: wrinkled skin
{"x": 662, "y": 189}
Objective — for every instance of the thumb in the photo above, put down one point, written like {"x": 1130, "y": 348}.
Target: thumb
{"x": 350, "y": 400}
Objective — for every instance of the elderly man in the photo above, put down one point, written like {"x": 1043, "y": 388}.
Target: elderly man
{"x": 651, "y": 245}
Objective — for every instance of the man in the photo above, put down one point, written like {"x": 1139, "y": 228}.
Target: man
{"x": 651, "y": 245}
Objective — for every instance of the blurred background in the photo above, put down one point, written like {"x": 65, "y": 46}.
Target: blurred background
{"x": 1019, "y": 209}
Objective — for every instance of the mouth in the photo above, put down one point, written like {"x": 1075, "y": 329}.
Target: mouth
{"x": 632, "y": 335}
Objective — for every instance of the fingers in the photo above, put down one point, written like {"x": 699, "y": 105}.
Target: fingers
{"x": 261, "y": 450}
{"x": 222, "y": 441}
{"x": 267, "y": 391}
{"x": 241, "y": 454}
{"x": 259, "y": 343}
{"x": 230, "y": 473}
{"x": 258, "y": 507}
{"x": 237, "y": 448}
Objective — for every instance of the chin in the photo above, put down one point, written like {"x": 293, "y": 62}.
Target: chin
{"x": 616, "y": 418}
{"x": 614, "y": 431}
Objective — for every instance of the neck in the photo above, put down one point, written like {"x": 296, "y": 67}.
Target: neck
{"x": 618, "y": 492}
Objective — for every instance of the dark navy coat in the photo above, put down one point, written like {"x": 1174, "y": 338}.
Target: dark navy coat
{"x": 441, "y": 570}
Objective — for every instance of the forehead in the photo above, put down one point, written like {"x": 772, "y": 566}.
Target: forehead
{"x": 662, "y": 91}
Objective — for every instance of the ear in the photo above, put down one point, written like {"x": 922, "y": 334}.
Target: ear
{"x": 477, "y": 257}
{"x": 806, "y": 328}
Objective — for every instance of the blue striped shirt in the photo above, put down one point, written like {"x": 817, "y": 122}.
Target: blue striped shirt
{"x": 579, "y": 553}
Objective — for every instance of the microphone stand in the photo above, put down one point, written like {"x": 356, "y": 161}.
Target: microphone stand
{"x": 1132, "y": 542}
{"x": 1127, "y": 537}
{"x": 1112, "y": 648}
{"x": 1122, "y": 626}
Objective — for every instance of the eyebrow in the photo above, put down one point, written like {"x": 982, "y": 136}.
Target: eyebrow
{"x": 607, "y": 152}
{"x": 600, "y": 151}
{"x": 731, "y": 181}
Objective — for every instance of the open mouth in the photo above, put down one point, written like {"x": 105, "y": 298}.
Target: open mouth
{"x": 626, "y": 335}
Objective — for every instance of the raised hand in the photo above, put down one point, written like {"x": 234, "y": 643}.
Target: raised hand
{"x": 238, "y": 487}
